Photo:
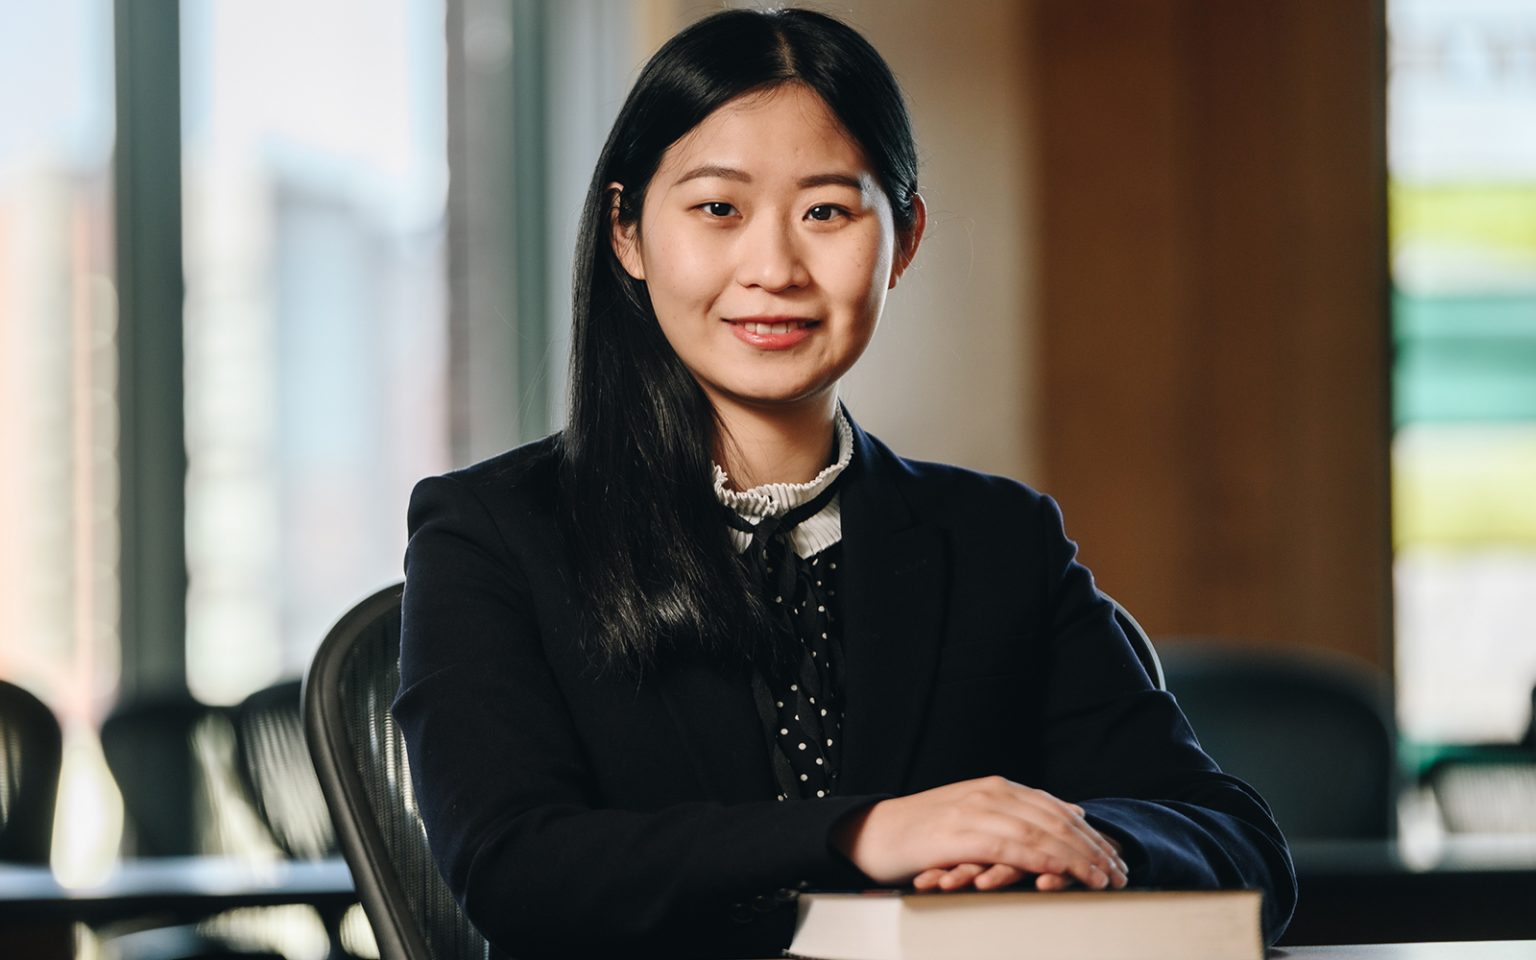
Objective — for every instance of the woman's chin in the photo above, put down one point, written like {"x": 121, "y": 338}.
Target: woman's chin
{"x": 777, "y": 399}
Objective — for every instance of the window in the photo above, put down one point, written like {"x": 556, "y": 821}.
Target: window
{"x": 323, "y": 372}
{"x": 1462, "y": 167}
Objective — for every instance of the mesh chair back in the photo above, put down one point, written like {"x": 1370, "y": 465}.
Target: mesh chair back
{"x": 1312, "y": 733}
{"x": 360, "y": 758}
{"x": 31, "y": 748}
{"x": 173, "y": 759}
{"x": 275, "y": 764}
{"x": 1485, "y": 788}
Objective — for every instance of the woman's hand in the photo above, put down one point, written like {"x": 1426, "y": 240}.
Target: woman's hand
{"x": 988, "y": 833}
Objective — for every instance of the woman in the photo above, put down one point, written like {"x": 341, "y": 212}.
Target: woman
{"x": 713, "y": 643}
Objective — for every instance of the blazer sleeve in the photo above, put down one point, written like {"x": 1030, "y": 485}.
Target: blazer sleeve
{"x": 1125, "y": 752}
{"x": 506, "y": 789}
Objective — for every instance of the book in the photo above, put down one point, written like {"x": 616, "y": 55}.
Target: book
{"x": 1027, "y": 924}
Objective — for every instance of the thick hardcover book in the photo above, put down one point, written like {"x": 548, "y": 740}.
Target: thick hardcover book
{"x": 1024, "y": 924}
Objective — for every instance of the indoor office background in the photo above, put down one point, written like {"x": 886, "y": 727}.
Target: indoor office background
{"x": 1250, "y": 287}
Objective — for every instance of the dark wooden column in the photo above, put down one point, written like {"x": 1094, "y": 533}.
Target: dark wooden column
{"x": 1213, "y": 310}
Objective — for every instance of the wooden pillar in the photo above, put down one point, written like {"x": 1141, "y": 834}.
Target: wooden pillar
{"x": 1212, "y": 294}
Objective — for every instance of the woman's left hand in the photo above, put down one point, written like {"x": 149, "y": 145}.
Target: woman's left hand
{"x": 993, "y": 877}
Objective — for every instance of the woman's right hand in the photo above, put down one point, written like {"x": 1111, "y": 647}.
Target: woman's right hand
{"x": 1004, "y": 829}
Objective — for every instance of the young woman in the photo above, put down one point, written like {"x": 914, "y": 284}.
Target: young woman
{"x": 713, "y": 643}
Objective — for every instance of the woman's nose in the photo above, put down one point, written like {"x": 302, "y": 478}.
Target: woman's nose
{"x": 770, "y": 257}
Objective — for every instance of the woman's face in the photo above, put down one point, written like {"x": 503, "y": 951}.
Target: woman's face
{"x": 767, "y": 246}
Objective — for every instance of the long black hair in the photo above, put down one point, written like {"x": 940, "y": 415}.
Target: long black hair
{"x": 653, "y": 565}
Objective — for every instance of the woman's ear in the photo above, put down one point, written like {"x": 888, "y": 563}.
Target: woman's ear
{"x": 624, "y": 235}
{"x": 908, "y": 241}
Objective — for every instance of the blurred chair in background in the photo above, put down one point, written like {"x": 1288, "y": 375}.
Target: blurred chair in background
{"x": 168, "y": 754}
{"x": 360, "y": 757}
{"x": 31, "y": 751}
{"x": 1487, "y": 788}
{"x": 173, "y": 758}
{"x": 276, "y": 767}
{"x": 1313, "y": 733}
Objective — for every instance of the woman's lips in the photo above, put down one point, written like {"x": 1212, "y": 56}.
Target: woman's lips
{"x": 772, "y": 333}
{"x": 783, "y": 327}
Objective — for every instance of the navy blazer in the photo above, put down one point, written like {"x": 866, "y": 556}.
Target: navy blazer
{"x": 574, "y": 811}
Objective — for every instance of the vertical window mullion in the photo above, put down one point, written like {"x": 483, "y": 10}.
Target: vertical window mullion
{"x": 147, "y": 171}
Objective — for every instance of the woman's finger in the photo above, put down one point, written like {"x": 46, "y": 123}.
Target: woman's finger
{"x": 998, "y": 875}
{"x": 1051, "y": 882}
{"x": 960, "y": 876}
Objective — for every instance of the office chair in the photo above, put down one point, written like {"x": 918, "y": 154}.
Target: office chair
{"x": 275, "y": 766}
{"x": 164, "y": 751}
{"x": 360, "y": 758}
{"x": 173, "y": 759}
{"x": 1312, "y": 733}
{"x": 274, "y": 763}
{"x": 31, "y": 751}
{"x": 1140, "y": 643}
{"x": 1487, "y": 788}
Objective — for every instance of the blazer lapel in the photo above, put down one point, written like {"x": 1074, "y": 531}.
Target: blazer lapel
{"x": 893, "y": 613}
{"x": 719, "y": 731}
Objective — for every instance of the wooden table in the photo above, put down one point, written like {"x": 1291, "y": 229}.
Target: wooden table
{"x": 1481, "y": 950}
{"x": 1371, "y": 890}
{"x": 1386, "y": 892}
{"x": 37, "y": 912}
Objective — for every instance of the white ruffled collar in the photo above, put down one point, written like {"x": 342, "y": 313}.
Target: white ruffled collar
{"x": 813, "y": 534}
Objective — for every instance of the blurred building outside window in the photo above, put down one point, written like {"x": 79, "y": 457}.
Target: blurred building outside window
{"x": 1462, "y": 209}
{"x": 58, "y": 397}
{"x": 315, "y": 180}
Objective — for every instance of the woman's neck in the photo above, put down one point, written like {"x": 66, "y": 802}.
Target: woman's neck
{"x": 757, "y": 447}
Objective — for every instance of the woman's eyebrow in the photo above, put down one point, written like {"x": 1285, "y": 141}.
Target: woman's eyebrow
{"x": 715, "y": 170}
{"x": 732, "y": 173}
{"x": 832, "y": 180}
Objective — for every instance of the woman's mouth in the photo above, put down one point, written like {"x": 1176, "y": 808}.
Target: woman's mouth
{"x": 772, "y": 333}
{"x": 785, "y": 326}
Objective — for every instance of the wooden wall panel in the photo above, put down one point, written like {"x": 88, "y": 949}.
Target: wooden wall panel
{"x": 1213, "y": 303}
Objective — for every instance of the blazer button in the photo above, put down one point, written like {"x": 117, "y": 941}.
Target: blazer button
{"x": 786, "y": 895}
{"x": 741, "y": 913}
{"x": 763, "y": 904}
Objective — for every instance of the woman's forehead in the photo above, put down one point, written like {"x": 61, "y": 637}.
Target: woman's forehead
{"x": 780, "y": 128}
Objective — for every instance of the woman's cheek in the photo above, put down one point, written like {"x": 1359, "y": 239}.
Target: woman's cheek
{"x": 694, "y": 272}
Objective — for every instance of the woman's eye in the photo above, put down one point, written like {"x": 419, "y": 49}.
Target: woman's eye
{"x": 824, "y": 212}
{"x": 719, "y": 209}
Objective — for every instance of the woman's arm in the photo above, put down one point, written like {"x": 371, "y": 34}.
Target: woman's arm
{"x": 1125, "y": 753}
{"x": 1119, "y": 755}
